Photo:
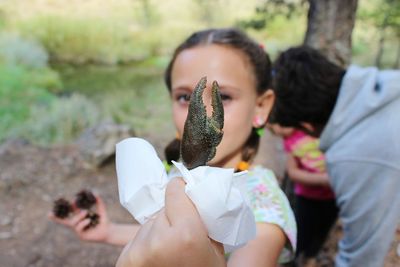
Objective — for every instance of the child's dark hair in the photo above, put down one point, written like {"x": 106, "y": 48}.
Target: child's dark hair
{"x": 306, "y": 86}
{"x": 257, "y": 57}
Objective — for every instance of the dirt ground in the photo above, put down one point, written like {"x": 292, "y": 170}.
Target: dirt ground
{"x": 32, "y": 177}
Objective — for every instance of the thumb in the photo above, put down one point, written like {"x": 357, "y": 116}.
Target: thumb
{"x": 101, "y": 207}
{"x": 179, "y": 209}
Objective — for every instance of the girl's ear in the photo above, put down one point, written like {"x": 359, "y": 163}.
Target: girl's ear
{"x": 264, "y": 105}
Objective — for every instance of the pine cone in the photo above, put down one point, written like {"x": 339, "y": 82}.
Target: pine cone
{"x": 85, "y": 199}
{"x": 62, "y": 208}
{"x": 94, "y": 220}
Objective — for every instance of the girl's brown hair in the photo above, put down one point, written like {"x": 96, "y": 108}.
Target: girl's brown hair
{"x": 258, "y": 59}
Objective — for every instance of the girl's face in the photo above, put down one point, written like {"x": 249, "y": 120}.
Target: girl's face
{"x": 234, "y": 74}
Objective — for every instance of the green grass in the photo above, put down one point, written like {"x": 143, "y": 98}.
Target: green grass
{"x": 365, "y": 47}
{"x": 116, "y": 53}
{"x": 83, "y": 40}
{"x": 20, "y": 89}
{"x": 60, "y": 122}
{"x": 93, "y": 79}
{"x": 146, "y": 109}
{"x": 30, "y": 108}
{"x": 133, "y": 95}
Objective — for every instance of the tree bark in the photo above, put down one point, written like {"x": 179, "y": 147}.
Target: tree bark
{"x": 330, "y": 25}
{"x": 379, "y": 53}
{"x": 381, "y": 42}
{"x": 396, "y": 64}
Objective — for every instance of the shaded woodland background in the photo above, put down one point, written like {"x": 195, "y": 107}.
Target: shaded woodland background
{"x": 66, "y": 66}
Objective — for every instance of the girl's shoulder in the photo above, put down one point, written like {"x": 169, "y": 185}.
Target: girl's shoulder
{"x": 263, "y": 187}
{"x": 259, "y": 174}
{"x": 270, "y": 205}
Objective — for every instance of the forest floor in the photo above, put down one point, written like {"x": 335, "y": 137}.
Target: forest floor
{"x": 32, "y": 177}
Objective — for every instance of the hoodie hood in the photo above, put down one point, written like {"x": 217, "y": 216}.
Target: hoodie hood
{"x": 367, "y": 113}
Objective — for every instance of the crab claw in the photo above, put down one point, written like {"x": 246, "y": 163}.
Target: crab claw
{"x": 202, "y": 134}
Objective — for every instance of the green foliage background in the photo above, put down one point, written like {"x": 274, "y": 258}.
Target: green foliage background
{"x": 65, "y": 66}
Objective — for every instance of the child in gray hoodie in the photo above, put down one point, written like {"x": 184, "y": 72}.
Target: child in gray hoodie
{"x": 356, "y": 114}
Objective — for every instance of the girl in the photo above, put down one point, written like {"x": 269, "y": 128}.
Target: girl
{"x": 315, "y": 206}
{"x": 242, "y": 69}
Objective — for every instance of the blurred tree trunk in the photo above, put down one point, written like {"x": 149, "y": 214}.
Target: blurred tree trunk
{"x": 206, "y": 11}
{"x": 381, "y": 43}
{"x": 396, "y": 64}
{"x": 329, "y": 29}
{"x": 146, "y": 12}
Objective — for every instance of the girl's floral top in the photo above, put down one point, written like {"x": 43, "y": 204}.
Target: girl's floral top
{"x": 270, "y": 205}
{"x": 305, "y": 149}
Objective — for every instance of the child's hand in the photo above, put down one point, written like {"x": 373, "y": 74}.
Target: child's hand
{"x": 175, "y": 237}
{"x": 77, "y": 222}
{"x": 325, "y": 179}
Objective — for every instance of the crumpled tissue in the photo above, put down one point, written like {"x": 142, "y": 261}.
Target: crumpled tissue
{"x": 217, "y": 193}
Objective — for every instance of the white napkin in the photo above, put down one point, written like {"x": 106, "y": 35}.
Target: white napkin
{"x": 141, "y": 178}
{"x": 217, "y": 193}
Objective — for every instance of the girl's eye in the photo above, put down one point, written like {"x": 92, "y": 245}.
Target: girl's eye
{"x": 183, "y": 98}
{"x": 225, "y": 97}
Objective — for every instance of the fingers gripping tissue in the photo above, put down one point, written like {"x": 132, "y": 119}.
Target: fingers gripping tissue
{"x": 217, "y": 193}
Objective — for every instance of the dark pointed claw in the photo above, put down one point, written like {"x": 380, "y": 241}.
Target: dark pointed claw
{"x": 202, "y": 134}
{"x": 218, "y": 107}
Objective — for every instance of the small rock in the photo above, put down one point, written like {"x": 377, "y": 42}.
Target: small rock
{"x": 15, "y": 230}
{"x": 97, "y": 144}
{"x": 46, "y": 198}
{"x": 398, "y": 250}
{"x": 10, "y": 145}
{"x": 5, "y": 221}
{"x": 5, "y": 235}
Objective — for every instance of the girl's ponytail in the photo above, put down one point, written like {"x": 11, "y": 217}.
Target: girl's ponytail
{"x": 172, "y": 151}
{"x": 251, "y": 147}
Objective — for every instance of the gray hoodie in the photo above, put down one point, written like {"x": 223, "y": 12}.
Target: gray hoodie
{"x": 361, "y": 142}
{"x": 365, "y": 123}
